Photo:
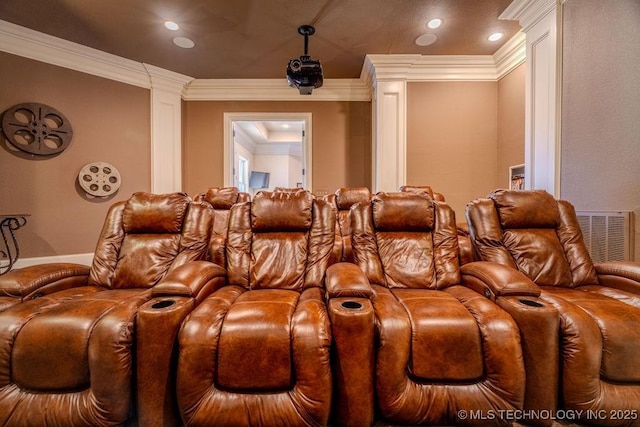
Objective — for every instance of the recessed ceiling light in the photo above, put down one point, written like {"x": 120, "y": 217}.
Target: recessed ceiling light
{"x": 170, "y": 25}
{"x": 434, "y": 23}
{"x": 183, "y": 42}
{"x": 426, "y": 39}
{"x": 495, "y": 37}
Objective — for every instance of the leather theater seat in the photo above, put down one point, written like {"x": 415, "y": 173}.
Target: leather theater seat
{"x": 67, "y": 358}
{"x": 464, "y": 244}
{"x": 221, "y": 200}
{"x": 342, "y": 200}
{"x": 257, "y": 350}
{"x": 441, "y": 346}
{"x": 599, "y": 305}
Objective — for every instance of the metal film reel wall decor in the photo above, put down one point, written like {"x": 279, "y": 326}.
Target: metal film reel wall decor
{"x": 37, "y": 129}
{"x": 99, "y": 179}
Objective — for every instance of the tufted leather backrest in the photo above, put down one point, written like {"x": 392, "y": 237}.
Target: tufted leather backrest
{"x": 465, "y": 249}
{"x": 146, "y": 236}
{"x": 406, "y": 240}
{"x": 280, "y": 240}
{"x": 533, "y": 232}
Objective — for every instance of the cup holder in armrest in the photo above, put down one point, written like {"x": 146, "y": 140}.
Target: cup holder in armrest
{"x": 163, "y": 304}
{"x": 531, "y": 303}
{"x": 352, "y": 305}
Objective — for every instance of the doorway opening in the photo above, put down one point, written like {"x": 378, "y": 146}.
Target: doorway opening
{"x": 267, "y": 150}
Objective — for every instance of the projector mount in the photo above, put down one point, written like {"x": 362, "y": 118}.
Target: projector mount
{"x": 305, "y": 73}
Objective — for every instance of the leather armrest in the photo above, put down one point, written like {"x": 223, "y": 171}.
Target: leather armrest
{"x": 620, "y": 275}
{"x": 196, "y": 279}
{"x": 157, "y": 324}
{"x": 43, "y": 278}
{"x": 347, "y": 280}
{"x": 496, "y": 280}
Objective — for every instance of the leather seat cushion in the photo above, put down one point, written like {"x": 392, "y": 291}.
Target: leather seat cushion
{"x": 619, "y": 324}
{"x": 254, "y": 351}
{"x": 52, "y": 351}
{"x": 445, "y": 339}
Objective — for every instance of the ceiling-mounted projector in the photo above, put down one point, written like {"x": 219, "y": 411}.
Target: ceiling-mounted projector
{"x": 305, "y": 73}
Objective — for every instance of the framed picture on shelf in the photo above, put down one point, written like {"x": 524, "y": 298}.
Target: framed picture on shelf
{"x": 516, "y": 177}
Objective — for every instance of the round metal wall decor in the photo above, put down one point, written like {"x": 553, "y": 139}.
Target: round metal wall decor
{"x": 99, "y": 179}
{"x": 37, "y": 129}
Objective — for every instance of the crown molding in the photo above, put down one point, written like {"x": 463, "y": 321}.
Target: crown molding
{"x": 423, "y": 68}
{"x": 244, "y": 139}
{"x": 166, "y": 80}
{"x": 511, "y": 54}
{"x": 418, "y": 67}
{"x": 279, "y": 149}
{"x": 528, "y": 12}
{"x": 274, "y": 90}
{"x": 27, "y": 43}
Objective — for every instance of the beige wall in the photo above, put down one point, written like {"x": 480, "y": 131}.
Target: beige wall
{"x": 511, "y": 105}
{"x": 452, "y": 135}
{"x": 341, "y": 141}
{"x": 111, "y": 123}
{"x": 601, "y": 107}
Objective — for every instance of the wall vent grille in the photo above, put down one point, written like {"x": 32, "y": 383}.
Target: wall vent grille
{"x": 608, "y": 235}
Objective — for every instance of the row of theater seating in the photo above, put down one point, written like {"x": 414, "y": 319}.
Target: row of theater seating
{"x": 354, "y": 309}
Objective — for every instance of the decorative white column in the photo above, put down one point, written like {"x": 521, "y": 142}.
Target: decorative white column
{"x": 541, "y": 20}
{"x": 166, "y": 129}
{"x": 389, "y": 103}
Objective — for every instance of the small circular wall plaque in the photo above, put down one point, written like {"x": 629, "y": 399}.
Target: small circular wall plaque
{"x": 99, "y": 179}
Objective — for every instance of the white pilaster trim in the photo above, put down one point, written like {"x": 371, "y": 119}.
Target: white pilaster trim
{"x": 166, "y": 129}
{"x": 541, "y": 21}
{"x": 389, "y": 135}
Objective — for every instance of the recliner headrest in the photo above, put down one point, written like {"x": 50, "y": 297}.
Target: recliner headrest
{"x": 222, "y": 197}
{"x": 155, "y": 213}
{"x": 417, "y": 189}
{"x": 281, "y": 211}
{"x": 347, "y": 197}
{"x": 526, "y": 209}
{"x": 403, "y": 212}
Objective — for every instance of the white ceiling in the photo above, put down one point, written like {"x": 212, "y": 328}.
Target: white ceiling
{"x": 270, "y": 137}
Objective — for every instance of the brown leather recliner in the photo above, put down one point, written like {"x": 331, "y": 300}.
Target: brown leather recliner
{"x": 257, "y": 350}
{"x": 342, "y": 200}
{"x": 221, "y": 200}
{"x": 443, "y": 349}
{"x": 464, "y": 244}
{"x": 599, "y": 305}
{"x": 67, "y": 358}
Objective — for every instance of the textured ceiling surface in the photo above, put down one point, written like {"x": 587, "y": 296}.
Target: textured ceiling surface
{"x": 257, "y": 38}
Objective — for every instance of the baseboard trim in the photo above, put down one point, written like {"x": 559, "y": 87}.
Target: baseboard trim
{"x": 85, "y": 259}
